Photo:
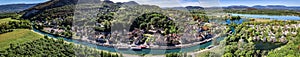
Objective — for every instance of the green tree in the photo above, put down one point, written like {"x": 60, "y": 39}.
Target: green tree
{"x": 228, "y": 55}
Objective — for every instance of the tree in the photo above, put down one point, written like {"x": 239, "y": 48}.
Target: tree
{"x": 235, "y": 17}
{"x": 51, "y": 47}
{"x": 228, "y": 55}
{"x": 157, "y": 20}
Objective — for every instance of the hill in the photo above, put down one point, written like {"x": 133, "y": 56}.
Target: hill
{"x": 74, "y": 20}
{"x": 14, "y": 7}
{"x": 187, "y": 8}
{"x": 31, "y": 12}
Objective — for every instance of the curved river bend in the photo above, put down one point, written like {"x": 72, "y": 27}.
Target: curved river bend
{"x": 188, "y": 49}
{"x": 143, "y": 51}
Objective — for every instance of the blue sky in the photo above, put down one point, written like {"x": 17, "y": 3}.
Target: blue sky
{"x": 2, "y": 2}
{"x": 176, "y": 3}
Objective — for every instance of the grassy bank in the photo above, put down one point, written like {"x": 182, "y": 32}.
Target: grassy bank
{"x": 6, "y": 20}
{"x": 17, "y": 36}
{"x": 260, "y": 20}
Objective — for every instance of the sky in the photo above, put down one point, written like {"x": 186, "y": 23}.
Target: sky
{"x": 179, "y": 3}
{"x": 3, "y": 2}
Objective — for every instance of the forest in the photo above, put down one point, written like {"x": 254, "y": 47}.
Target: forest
{"x": 10, "y": 25}
{"x": 154, "y": 20}
{"x": 53, "y": 47}
{"x": 174, "y": 55}
{"x": 9, "y": 15}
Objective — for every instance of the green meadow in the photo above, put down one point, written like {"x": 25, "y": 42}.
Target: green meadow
{"x": 6, "y": 20}
{"x": 17, "y": 36}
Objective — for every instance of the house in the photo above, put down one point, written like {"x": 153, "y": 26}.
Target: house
{"x": 283, "y": 39}
{"x": 265, "y": 39}
{"x": 272, "y": 39}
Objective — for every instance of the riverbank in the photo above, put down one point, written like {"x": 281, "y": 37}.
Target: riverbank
{"x": 77, "y": 44}
{"x": 259, "y": 20}
{"x": 194, "y": 54}
{"x": 143, "y": 51}
{"x": 154, "y": 47}
{"x": 17, "y": 36}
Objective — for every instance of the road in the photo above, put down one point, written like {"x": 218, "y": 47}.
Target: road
{"x": 193, "y": 54}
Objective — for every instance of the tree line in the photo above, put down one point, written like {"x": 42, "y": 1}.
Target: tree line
{"x": 8, "y": 15}
{"x": 53, "y": 47}
{"x": 174, "y": 55}
{"x": 8, "y": 26}
{"x": 155, "y": 20}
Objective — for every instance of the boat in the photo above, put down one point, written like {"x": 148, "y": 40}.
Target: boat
{"x": 136, "y": 48}
{"x": 143, "y": 46}
{"x": 211, "y": 46}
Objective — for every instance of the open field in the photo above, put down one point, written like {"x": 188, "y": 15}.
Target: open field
{"x": 6, "y": 20}
{"x": 17, "y": 36}
{"x": 261, "y": 20}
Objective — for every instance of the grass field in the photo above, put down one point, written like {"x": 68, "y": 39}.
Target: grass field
{"x": 261, "y": 20}
{"x": 17, "y": 36}
{"x": 6, "y": 20}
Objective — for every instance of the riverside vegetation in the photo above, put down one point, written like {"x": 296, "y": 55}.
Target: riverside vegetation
{"x": 18, "y": 39}
{"x": 53, "y": 47}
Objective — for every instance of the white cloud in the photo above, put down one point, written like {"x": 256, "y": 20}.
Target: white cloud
{"x": 191, "y": 4}
{"x": 209, "y": 3}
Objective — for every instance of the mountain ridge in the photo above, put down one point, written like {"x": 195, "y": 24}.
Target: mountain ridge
{"x": 29, "y": 13}
{"x": 8, "y": 8}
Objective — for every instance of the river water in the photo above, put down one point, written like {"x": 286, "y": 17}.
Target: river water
{"x": 188, "y": 49}
{"x": 272, "y": 17}
{"x": 143, "y": 51}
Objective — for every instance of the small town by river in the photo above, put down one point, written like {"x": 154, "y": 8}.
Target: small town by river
{"x": 192, "y": 48}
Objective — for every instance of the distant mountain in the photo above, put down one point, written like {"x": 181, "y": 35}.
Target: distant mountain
{"x": 194, "y": 7}
{"x": 276, "y": 7}
{"x": 39, "y": 8}
{"x": 259, "y": 6}
{"x": 14, "y": 7}
{"x": 187, "y": 8}
{"x": 273, "y": 7}
{"x": 130, "y": 3}
{"x": 53, "y": 4}
{"x": 269, "y": 7}
{"x": 294, "y": 8}
{"x": 237, "y": 7}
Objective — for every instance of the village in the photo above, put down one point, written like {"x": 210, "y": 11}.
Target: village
{"x": 277, "y": 33}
